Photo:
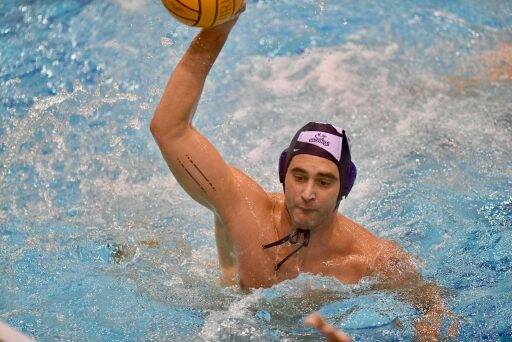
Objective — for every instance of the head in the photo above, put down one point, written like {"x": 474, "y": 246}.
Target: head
{"x": 316, "y": 172}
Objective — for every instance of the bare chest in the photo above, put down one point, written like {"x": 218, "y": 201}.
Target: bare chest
{"x": 348, "y": 269}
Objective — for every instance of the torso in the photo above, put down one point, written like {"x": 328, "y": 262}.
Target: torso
{"x": 347, "y": 254}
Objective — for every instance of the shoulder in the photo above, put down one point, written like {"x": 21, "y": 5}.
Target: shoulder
{"x": 361, "y": 239}
{"x": 248, "y": 186}
{"x": 247, "y": 193}
{"x": 369, "y": 244}
{"x": 385, "y": 259}
{"x": 276, "y": 198}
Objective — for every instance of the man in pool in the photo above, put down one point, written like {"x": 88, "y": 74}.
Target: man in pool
{"x": 264, "y": 238}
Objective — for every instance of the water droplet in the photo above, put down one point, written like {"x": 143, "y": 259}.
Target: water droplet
{"x": 165, "y": 41}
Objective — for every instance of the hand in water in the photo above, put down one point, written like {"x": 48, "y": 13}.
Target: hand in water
{"x": 316, "y": 321}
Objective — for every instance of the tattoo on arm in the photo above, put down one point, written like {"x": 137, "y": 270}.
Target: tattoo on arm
{"x": 199, "y": 171}
{"x": 193, "y": 178}
{"x": 202, "y": 174}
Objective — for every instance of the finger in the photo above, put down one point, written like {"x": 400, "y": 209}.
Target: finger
{"x": 337, "y": 336}
{"x": 316, "y": 321}
{"x": 242, "y": 9}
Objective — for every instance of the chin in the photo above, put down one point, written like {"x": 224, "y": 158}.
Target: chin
{"x": 299, "y": 221}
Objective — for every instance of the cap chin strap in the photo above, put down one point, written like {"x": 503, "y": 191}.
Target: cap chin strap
{"x": 293, "y": 238}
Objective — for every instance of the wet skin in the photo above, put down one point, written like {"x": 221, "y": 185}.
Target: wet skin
{"x": 247, "y": 217}
{"x": 338, "y": 246}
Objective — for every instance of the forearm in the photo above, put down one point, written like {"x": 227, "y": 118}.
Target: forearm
{"x": 397, "y": 271}
{"x": 203, "y": 51}
{"x": 428, "y": 299}
{"x": 428, "y": 326}
{"x": 182, "y": 93}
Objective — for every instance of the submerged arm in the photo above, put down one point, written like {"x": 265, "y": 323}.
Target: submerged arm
{"x": 397, "y": 272}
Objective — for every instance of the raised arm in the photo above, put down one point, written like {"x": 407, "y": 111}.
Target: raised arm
{"x": 194, "y": 161}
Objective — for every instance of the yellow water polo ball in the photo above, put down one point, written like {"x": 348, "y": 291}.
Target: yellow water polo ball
{"x": 203, "y": 13}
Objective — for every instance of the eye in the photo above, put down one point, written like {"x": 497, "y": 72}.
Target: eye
{"x": 324, "y": 182}
{"x": 299, "y": 178}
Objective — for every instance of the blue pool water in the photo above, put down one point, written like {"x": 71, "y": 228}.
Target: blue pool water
{"x": 98, "y": 242}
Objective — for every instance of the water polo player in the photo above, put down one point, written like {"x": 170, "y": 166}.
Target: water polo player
{"x": 264, "y": 238}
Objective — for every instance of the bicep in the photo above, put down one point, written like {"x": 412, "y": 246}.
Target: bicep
{"x": 198, "y": 167}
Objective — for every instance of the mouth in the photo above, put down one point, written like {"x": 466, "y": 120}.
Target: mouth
{"x": 306, "y": 210}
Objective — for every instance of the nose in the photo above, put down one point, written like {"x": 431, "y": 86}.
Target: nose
{"x": 308, "y": 192}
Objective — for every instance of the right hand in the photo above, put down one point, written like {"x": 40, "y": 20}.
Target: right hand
{"x": 228, "y": 25}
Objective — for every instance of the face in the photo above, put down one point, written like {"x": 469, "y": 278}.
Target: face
{"x": 312, "y": 185}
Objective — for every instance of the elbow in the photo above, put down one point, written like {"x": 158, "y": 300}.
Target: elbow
{"x": 162, "y": 128}
{"x": 155, "y": 127}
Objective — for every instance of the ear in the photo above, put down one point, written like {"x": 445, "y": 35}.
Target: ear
{"x": 348, "y": 183}
{"x": 282, "y": 166}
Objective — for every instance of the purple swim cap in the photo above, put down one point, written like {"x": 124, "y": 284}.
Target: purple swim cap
{"x": 325, "y": 141}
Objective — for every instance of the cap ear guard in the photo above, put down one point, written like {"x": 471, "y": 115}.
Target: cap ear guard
{"x": 350, "y": 180}
{"x": 282, "y": 168}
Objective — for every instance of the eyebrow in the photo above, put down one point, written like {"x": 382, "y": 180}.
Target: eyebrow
{"x": 320, "y": 174}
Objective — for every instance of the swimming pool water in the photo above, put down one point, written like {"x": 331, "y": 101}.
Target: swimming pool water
{"x": 97, "y": 240}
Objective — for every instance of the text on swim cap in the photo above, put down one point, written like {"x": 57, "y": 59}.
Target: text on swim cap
{"x": 329, "y": 142}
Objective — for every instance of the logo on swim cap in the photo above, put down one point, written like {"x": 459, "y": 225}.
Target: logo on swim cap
{"x": 320, "y": 137}
{"x": 327, "y": 141}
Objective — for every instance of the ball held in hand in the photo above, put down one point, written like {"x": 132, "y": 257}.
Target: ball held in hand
{"x": 203, "y": 13}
